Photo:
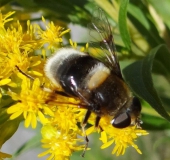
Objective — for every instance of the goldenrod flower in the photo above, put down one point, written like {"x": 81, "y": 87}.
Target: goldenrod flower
{"x": 61, "y": 132}
{"x": 31, "y": 102}
{"x": 4, "y": 82}
{"x": 74, "y": 45}
{"x": 28, "y": 64}
{"x": 122, "y": 138}
{"x": 59, "y": 142}
{"x": 5, "y": 68}
{"x": 5, "y": 18}
{"x": 15, "y": 39}
{"x": 52, "y": 35}
{"x": 5, "y": 72}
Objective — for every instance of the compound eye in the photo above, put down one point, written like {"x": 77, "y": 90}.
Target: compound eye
{"x": 122, "y": 120}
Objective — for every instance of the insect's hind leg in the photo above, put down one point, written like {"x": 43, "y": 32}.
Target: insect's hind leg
{"x": 97, "y": 121}
{"x": 88, "y": 113}
{"x": 28, "y": 76}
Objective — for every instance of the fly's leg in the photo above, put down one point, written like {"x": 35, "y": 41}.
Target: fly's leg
{"x": 84, "y": 132}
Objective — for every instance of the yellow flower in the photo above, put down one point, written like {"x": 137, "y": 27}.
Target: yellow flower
{"x": 4, "y": 82}
{"x": 61, "y": 132}
{"x": 5, "y": 72}
{"x": 82, "y": 49}
{"x": 29, "y": 41}
{"x": 14, "y": 39}
{"x": 5, "y": 18}
{"x": 60, "y": 114}
{"x": 31, "y": 102}
{"x": 28, "y": 64}
{"x": 60, "y": 143}
{"x": 52, "y": 35}
{"x": 5, "y": 68}
{"x": 122, "y": 138}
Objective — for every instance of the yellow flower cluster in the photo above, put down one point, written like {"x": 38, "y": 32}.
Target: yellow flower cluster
{"x": 22, "y": 58}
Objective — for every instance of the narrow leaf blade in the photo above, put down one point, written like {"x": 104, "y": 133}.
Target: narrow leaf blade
{"x": 7, "y": 129}
{"x": 139, "y": 77}
{"x": 123, "y": 25}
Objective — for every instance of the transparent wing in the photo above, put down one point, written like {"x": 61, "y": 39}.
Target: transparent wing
{"x": 102, "y": 38}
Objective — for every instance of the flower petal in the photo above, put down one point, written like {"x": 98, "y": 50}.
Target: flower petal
{"x": 105, "y": 145}
{"x": 13, "y": 109}
{"x": 4, "y": 81}
{"x": 15, "y": 115}
{"x": 34, "y": 121}
{"x": 103, "y": 137}
{"x": 42, "y": 118}
{"x": 28, "y": 120}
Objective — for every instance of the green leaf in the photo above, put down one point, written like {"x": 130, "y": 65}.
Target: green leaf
{"x": 139, "y": 15}
{"x": 123, "y": 25}
{"x": 154, "y": 123}
{"x": 7, "y": 129}
{"x": 140, "y": 18}
{"x": 139, "y": 77}
{"x": 4, "y": 2}
{"x": 6, "y": 101}
{"x": 27, "y": 4}
{"x": 162, "y": 9}
{"x": 3, "y": 115}
{"x": 68, "y": 11}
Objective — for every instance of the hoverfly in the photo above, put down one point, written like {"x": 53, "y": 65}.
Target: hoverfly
{"x": 97, "y": 83}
